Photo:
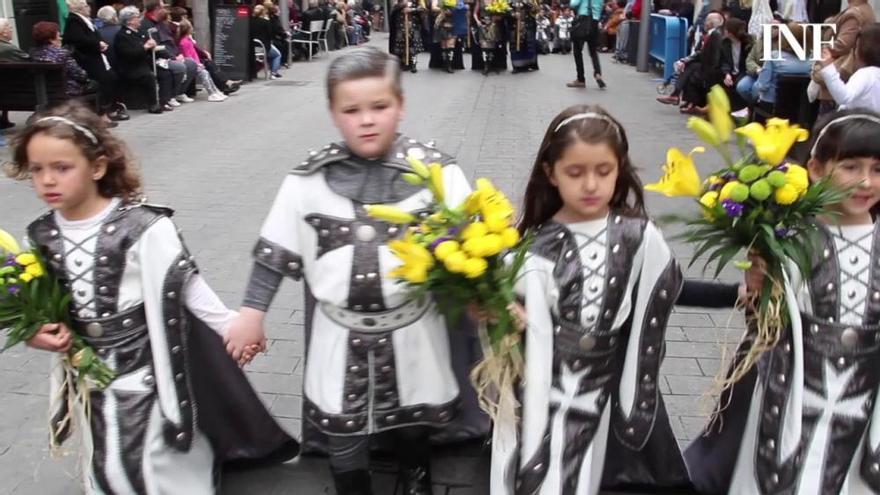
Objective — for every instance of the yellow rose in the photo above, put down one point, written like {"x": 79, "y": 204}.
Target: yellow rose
{"x": 488, "y": 245}
{"x": 475, "y": 267}
{"x": 455, "y": 262}
{"x": 416, "y": 275}
{"x": 726, "y": 190}
{"x": 797, "y": 177}
{"x": 710, "y": 199}
{"x": 25, "y": 259}
{"x": 34, "y": 270}
{"x": 26, "y": 277}
{"x": 474, "y": 230}
{"x": 497, "y": 223}
{"x": 786, "y": 194}
{"x": 510, "y": 237}
{"x": 446, "y": 248}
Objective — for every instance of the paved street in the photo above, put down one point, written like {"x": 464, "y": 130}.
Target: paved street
{"x": 219, "y": 165}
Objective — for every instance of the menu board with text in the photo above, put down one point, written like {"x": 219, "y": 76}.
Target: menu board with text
{"x": 232, "y": 44}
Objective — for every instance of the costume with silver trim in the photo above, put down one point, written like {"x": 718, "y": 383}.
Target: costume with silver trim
{"x": 137, "y": 298}
{"x": 598, "y": 295}
{"x": 803, "y": 420}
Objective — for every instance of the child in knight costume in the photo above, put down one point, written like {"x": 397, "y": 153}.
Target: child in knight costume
{"x": 179, "y": 406}
{"x": 405, "y": 33}
{"x": 489, "y": 53}
{"x": 598, "y": 286}
{"x": 378, "y": 360}
{"x": 804, "y": 419}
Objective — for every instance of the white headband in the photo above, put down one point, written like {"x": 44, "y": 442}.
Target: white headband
{"x": 83, "y": 130}
{"x": 860, "y": 116}
{"x": 588, "y": 115}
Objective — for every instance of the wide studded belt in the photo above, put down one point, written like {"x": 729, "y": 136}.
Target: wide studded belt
{"x": 112, "y": 330}
{"x": 572, "y": 340}
{"x": 837, "y": 338}
{"x": 378, "y": 321}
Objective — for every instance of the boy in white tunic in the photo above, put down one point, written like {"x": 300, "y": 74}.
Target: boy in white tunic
{"x": 377, "y": 360}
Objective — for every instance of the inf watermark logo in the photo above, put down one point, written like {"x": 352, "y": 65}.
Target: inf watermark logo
{"x": 811, "y": 32}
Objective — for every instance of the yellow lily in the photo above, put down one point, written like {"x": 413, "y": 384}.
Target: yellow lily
{"x": 705, "y": 131}
{"x": 417, "y": 260}
{"x": 35, "y": 270}
{"x": 418, "y": 167}
{"x": 8, "y": 244}
{"x": 680, "y": 175}
{"x": 719, "y": 113}
{"x": 436, "y": 171}
{"x": 773, "y": 141}
{"x": 390, "y": 214}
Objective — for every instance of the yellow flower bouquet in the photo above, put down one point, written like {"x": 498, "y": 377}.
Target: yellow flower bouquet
{"x": 498, "y": 7}
{"x": 467, "y": 255}
{"x": 760, "y": 204}
{"x": 449, "y": 4}
{"x": 30, "y": 298}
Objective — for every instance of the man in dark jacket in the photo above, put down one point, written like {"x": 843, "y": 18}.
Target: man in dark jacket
{"x": 135, "y": 58}
{"x": 154, "y": 25}
{"x": 81, "y": 35}
{"x": 9, "y": 53}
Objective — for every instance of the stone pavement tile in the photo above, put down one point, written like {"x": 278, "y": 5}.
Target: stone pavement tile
{"x": 675, "y": 334}
{"x": 709, "y": 366}
{"x": 692, "y": 349}
{"x": 693, "y": 425}
{"x": 276, "y": 383}
{"x": 681, "y": 367}
{"x": 287, "y": 406}
{"x": 700, "y": 320}
{"x": 266, "y": 363}
{"x": 683, "y": 385}
{"x": 713, "y": 334}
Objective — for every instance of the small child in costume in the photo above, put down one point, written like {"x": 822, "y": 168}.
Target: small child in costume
{"x": 804, "y": 419}
{"x": 599, "y": 285}
{"x": 179, "y": 406}
{"x": 378, "y": 360}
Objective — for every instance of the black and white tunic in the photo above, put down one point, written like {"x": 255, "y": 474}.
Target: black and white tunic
{"x": 376, "y": 359}
{"x": 598, "y": 295}
{"x": 804, "y": 421}
{"x": 137, "y": 299}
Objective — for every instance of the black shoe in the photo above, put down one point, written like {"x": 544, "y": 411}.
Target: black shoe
{"x": 413, "y": 68}
{"x": 416, "y": 480}
{"x": 353, "y": 482}
{"x": 118, "y": 116}
{"x": 600, "y": 82}
{"x": 231, "y": 88}
{"x": 155, "y": 109}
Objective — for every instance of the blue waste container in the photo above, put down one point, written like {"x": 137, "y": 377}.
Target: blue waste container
{"x": 668, "y": 41}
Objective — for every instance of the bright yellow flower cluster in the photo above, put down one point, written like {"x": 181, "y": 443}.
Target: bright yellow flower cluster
{"x": 17, "y": 266}
{"x": 461, "y": 240}
{"x": 498, "y": 7}
{"x": 449, "y": 4}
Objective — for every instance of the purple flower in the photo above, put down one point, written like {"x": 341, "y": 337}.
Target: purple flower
{"x": 13, "y": 289}
{"x": 10, "y": 260}
{"x": 453, "y": 231}
{"x": 732, "y": 208}
{"x": 439, "y": 241}
{"x": 715, "y": 187}
{"x": 729, "y": 176}
{"x": 782, "y": 232}
{"x": 782, "y": 168}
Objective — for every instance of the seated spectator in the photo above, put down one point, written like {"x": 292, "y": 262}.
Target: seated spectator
{"x": 699, "y": 71}
{"x": 313, "y": 13}
{"x": 261, "y": 29}
{"x": 782, "y": 61}
{"x": 9, "y": 53}
{"x": 219, "y": 78}
{"x": 155, "y": 25}
{"x": 47, "y": 48}
{"x": 81, "y": 35}
{"x": 341, "y": 24}
{"x": 615, "y": 18}
{"x": 745, "y": 88}
{"x": 279, "y": 34}
{"x": 735, "y": 48}
{"x": 109, "y": 30}
{"x": 862, "y": 90}
{"x": 188, "y": 49}
{"x": 134, "y": 54}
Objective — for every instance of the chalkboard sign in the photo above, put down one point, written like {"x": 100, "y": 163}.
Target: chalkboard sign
{"x": 232, "y": 43}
